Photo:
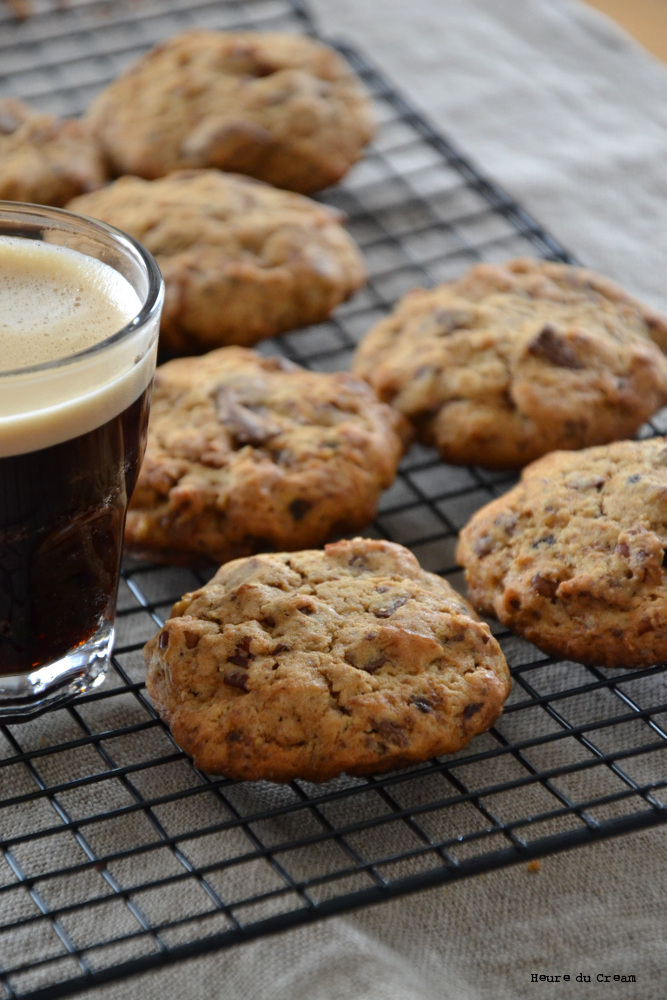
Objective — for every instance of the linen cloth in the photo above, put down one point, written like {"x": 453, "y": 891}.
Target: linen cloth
{"x": 570, "y": 117}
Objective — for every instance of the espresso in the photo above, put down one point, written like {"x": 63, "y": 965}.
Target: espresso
{"x": 71, "y": 441}
{"x": 61, "y": 538}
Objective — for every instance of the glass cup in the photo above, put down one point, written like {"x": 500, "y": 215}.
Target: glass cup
{"x": 72, "y": 437}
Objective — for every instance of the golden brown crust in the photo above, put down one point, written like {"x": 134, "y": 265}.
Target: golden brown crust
{"x": 348, "y": 659}
{"x": 44, "y": 159}
{"x": 247, "y": 453}
{"x": 241, "y": 260}
{"x": 283, "y": 108}
{"x": 513, "y": 361}
{"x": 573, "y": 558}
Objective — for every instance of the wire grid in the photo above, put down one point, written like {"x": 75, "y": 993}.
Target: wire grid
{"x": 116, "y": 855}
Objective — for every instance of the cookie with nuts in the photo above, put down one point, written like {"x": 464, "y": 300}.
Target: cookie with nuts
{"x": 241, "y": 260}
{"x": 45, "y": 159}
{"x": 512, "y": 361}
{"x": 286, "y": 109}
{"x": 309, "y": 664}
{"x": 249, "y": 453}
{"x": 573, "y": 557}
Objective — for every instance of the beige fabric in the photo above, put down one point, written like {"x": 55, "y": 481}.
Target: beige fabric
{"x": 595, "y": 911}
{"x": 552, "y": 100}
{"x": 571, "y": 118}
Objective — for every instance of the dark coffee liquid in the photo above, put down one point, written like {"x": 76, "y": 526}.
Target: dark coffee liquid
{"x": 61, "y": 538}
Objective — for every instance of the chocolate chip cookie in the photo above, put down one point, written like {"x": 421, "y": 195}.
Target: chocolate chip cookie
{"x": 45, "y": 159}
{"x": 573, "y": 557}
{"x": 241, "y": 260}
{"x": 283, "y": 108}
{"x": 513, "y": 361}
{"x": 306, "y": 665}
{"x": 247, "y": 453}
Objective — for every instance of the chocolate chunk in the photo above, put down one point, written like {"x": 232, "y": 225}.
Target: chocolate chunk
{"x": 422, "y": 704}
{"x": 544, "y": 540}
{"x": 191, "y": 638}
{"x": 458, "y": 636}
{"x": 236, "y": 679}
{"x": 471, "y": 709}
{"x": 507, "y": 523}
{"x": 260, "y": 69}
{"x": 163, "y": 641}
{"x": 544, "y": 587}
{"x": 299, "y": 508}
{"x": 483, "y": 546}
{"x": 553, "y": 347}
{"x": 374, "y": 665}
{"x": 369, "y": 666}
{"x": 244, "y": 426}
{"x": 282, "y": 456}
{"x": 389, "y": 610}
{"x": 242, "y": 656}
{"x": 392, "y": 733}
{"x": 449, "y": 320}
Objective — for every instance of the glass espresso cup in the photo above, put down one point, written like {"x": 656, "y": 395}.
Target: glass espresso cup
{"x": 80, "y": 306}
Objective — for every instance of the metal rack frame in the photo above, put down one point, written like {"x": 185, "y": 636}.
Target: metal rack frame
{"x": 574, "y": 759}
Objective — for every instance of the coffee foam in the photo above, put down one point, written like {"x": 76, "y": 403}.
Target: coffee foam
{"x": 57, "y": 302}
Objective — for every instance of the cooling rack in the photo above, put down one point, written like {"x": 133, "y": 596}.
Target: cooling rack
{"x": 116, "y": 855}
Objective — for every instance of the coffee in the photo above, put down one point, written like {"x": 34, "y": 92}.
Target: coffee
{"x": 76, "y": 367}
{"x": 61, "y": 537}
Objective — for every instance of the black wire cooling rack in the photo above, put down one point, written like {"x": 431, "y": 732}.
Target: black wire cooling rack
{"x": 116, "y": 855}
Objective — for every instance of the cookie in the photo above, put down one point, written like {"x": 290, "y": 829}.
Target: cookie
{"x": 241, "y": 260}
{"x": 247, "y": 453}
{"x": 44, "y": 159}
{"x": 306, "y": 665}
{"x": 21, "y": 9}
{"x": 513, "y": 361}
{"x": 573, "y": 557}
{"x": 283, "y": 108}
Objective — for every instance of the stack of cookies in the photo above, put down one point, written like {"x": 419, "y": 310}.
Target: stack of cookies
{"x": 307, "y": 659}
